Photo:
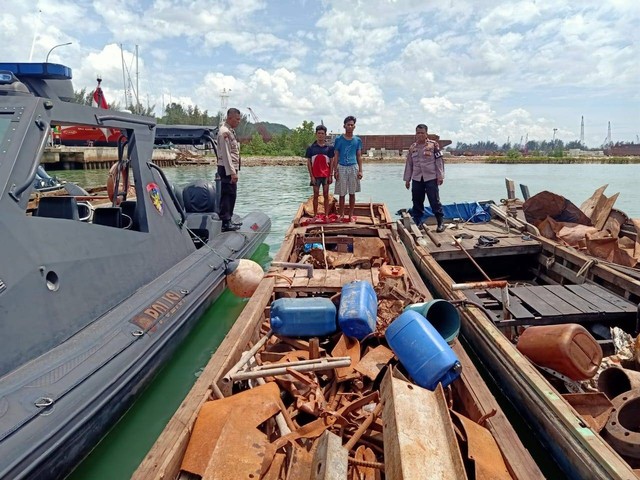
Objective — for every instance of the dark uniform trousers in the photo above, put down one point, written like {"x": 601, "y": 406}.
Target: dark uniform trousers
{"x": 418, "y": 190}
{"x": 228, "y": 193}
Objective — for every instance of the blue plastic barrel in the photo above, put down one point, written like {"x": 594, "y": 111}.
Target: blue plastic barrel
{"x": 358, "y": 310}
{"x": 442, "y": 315}
{"x": 422, "y": 351}
{"x": 303, "y": 317}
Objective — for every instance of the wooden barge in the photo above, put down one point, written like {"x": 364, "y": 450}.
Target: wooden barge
{"x": 509, "y": 280}
{"x": 364, "y": 420}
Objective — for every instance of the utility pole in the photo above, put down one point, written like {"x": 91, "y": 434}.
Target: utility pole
{"x": 137, "y": 83}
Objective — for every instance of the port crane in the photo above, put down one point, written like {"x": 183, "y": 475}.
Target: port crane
{"x": 262, "y": 130}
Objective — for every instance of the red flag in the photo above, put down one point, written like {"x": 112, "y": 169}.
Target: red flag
{"x": 98, "y": 97}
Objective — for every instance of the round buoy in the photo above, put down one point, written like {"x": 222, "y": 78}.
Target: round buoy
{"x": 243, "y": 277}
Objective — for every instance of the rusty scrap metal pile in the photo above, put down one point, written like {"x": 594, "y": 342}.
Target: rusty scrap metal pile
{"x": 605, "y": 391}
{"x": 295, "y": 390}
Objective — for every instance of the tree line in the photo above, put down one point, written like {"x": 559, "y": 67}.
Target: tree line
{"x": 286, "y": 142}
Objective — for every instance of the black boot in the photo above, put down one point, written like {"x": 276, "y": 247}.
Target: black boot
{"x": 440, "y": 228}
{"x": 229, "y": 227}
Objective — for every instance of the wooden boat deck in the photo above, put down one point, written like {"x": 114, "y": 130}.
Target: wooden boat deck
{"x": 443, "y": 247}
{"x": 404, "y": 430}
{"x": 327, "y": 280}
{"x": 560, "y": 286}
{"x": 554, "y": 304}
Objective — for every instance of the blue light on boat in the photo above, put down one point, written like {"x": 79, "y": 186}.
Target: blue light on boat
{"x": 45, "y": 71}
{"x": 6, "y": 78}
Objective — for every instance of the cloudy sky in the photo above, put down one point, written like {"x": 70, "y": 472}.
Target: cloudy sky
{"x": 470, "y": 69}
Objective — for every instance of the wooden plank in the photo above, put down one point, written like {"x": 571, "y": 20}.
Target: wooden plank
{"x": 319, "y": 278}
{"x": 446, "y": 252}
{"x": 600, "y": 303}
{"x": 471, "y": 295}
{"x": 348, "y": 275}
{"x": 418, "y": 433}
{"x": 555, "y": 301}
{"x": 375, "y": 276}
{"x": 333, "y": 279}
{"x": 619, "y": 302}
{"x": 515, "y": 306}
{"x": 479, "y": 401}
{"x": 571, "y": 298}
{"x": 528, "y": 296}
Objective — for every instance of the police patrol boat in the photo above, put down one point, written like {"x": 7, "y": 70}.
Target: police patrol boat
{"x": 91, "y": 305}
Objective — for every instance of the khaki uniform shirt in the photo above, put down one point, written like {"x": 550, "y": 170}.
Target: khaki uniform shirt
{"x": 228, "y": 150}
{"x": 424, "y": 162}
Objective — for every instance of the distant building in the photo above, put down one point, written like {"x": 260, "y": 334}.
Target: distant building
{"x": 392, "y": 143}
{"x": 631, "y": 149}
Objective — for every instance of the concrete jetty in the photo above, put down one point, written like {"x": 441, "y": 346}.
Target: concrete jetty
{"x": 60, "y": 157}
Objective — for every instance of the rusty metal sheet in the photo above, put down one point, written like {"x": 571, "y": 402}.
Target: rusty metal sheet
{"x": 369, "y": 247}
{"x": 482, "y": 450}
{"x": 594, "y": 408}
{"x": 226, "y": 429}
{"x": 275, "y": 470}
{"x": 347, "y": 347}
{"x": 374, "y": 361}
{"x": 300, "y": 464}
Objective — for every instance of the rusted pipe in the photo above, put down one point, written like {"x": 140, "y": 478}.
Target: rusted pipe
{"x": 305, "y": 366}
{"x": 363, "y": 427}
{"x": 246, "y": 356}
{"x": 464, "y": 250}
{"x": 614, "y": 381}
{"x": 501, "y": 284}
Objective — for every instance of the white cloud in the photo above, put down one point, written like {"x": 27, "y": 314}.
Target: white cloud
{"x": 475, "y": 70}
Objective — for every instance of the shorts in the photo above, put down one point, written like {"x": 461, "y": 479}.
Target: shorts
{"x": 348, "y": 181}
{"x": 320, "y": 182}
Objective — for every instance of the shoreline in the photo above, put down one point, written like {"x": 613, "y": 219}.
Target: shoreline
{"x": 255, "y": 161}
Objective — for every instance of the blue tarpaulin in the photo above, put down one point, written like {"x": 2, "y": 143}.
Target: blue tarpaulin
{"x": 468, "y": 212}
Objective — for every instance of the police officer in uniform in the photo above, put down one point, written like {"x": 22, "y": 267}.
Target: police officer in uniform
{"x": 228, "y": 167}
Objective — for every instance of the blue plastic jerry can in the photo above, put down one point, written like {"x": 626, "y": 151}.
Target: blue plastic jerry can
{"x": 358, "y": 312}
{"x": 303, "y": 317}
{"x": 422, "y": 351}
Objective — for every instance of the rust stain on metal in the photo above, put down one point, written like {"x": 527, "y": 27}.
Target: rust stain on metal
{"x": 482, "y": 450}
{"x": 374, "y": 361}
{"x": 226, "y": 437}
